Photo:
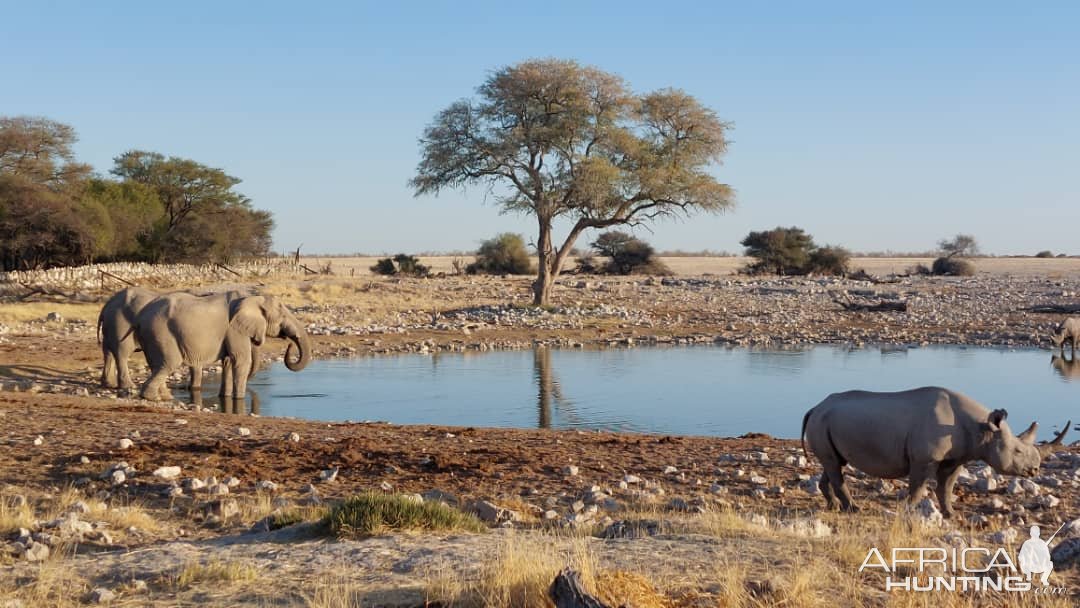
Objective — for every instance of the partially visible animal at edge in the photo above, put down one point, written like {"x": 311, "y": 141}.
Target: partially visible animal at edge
{"x": 180, "y": 328}
{"x": 1067, "y": 331}
{"x": 925, "y": 433}
{"x": 118, "y": 339}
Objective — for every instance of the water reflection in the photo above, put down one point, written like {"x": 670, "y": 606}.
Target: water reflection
{"x": 1067, "y": 367}
{"x": 229, "y": 405}
{"x": 547, "y": 387}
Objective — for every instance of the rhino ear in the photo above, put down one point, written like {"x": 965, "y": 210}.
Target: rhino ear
{"x": 1028, "y": 436}
{"x": 996, "y": 418}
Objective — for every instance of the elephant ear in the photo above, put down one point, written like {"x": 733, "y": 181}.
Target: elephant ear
{"x": 249, "y": 320}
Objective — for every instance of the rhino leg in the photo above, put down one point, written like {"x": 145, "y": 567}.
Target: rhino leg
{"x": 834, "y": 472}
{"x": 826, "y": 491}
{"x": 920, "y": 476}
{"x": 946, "y": 481}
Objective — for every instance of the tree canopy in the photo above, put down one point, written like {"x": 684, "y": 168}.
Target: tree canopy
{"x": 555, "y": 139}
{"x": 54, "y": 212}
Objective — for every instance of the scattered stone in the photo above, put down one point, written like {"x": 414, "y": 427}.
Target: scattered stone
{"x": 387, "y": 487}
{"x": 571, "y": 471}
{"x": 440, "y": 496}
{"x": 219, "y": 489}
{"x": 294, "y": 437}
{"x": 670, "y": 470}
{"x": 491, "y": 513}
{"x": 175, "y": 492}
{"x": 928, "y": 512}
{"x": 36, "y": 552}
{"x": 244, "y": 432}
{"x": 125, "y": 444}
{"x": 266, "y": 486}
{"x": 84, "y": 460}
{"x": 1007, "y": 536}
{"x": 231, "y": 481}
{"x": 631, "y": 479}
{"x": 194, "y": 484}
{"x": 811, "y": 528}
{"x": 39, "y": 440}
{"x": 329, "y": 475}
{"x": 117, "y": 477}
{"x": 986, "y": 484}
{"x": 101, "y": 595}
{"x": 167, "y": 472}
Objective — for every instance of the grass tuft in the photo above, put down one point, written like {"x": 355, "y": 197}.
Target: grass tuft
{"x": 372, "y": 513}
{"x": 214, "y": 571}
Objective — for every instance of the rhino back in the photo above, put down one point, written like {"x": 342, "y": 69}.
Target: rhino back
{"x": 883, "y": 433}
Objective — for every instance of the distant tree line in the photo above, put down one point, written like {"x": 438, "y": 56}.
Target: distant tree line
{"x": 54, "y": 211}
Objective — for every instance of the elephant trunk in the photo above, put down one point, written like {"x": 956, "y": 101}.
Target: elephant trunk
{"x": 292, "y": 330}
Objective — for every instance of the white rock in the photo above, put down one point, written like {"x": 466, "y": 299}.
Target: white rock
{"x": 244, "y": 431}
{"x": 1007, "y": 536}
{"x": 195, "y": 484}
{"x": 632, "y": 479}
{"x": 39, "y": 440}
{"x": 267, "y": 486}
{"x": 231, "y": 481}
{"x": 219, "y": 489}
{"x": 167, "y": 472}
{"x": 117, "y": 477}
{"x": 928, "y": 512}
{"x": 670, "y": 470}
{"x": 36, "y": 552}
{"x": 84, "y": 460}
{"x": 125, "y": 444}
{"x": 294, "y": 437}
{"x": 329, "y": 475}
{"x": 102, "y": 595}
{"x": 571, "y": 471}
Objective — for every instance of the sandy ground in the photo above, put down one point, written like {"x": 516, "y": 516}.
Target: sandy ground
{"x": 698, "y": 266}
{"x": 60, "y": 433}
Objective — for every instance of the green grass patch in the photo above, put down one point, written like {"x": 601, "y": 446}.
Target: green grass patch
{"x": 373, "y": 513}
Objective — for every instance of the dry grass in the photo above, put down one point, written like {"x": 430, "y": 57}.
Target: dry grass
{"x": 215, "y": 571}
{"x": 517, "y": 576}
{"x": 52, "y": 582}
{"x": 37, "y": 311}
{"x": 13, "y": 517}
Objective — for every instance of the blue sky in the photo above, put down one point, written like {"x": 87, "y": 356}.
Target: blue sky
{"x": 871, "y": 125}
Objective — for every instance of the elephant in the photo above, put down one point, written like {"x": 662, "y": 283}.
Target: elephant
{"x": 114, "y": 332}
{"x": 118, "y": 339}
{"x": 180, "y": 328}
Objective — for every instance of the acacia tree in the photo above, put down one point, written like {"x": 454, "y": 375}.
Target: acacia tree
{"x": 558, "y": 140}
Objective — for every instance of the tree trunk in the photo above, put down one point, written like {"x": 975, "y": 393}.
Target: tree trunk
{"x": 544, "y": 275}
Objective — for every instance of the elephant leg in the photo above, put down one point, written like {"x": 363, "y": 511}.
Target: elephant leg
{"x": 946, "y": 481}
{"x": 920, "y": 476}
{"x": 226, "y": 389}
{"x": 195, "y": 379}
{"x": 241, "y": 371}
{"x": 156, "y": 385}
{"x": 124, "y": 350}
{"x": 108, "y": 369}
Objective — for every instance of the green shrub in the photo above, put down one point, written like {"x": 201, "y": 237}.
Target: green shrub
{"x": 401, "y": 264}
{"x": 628, "y": 254}
{"x": 790, "y": 251}
{"x": 1045, "y": 254}
{"x": 504, "y": 254}
{"x": 373, "y": 513}
{"x": 779, "y": 251}
{"x": 828, "y": 260}
{"x": 953, "y": 267}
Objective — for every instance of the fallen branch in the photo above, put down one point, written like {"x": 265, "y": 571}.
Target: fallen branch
{"x": 1061, "y": 309}
{"x": 566, "y": 591}
{"x": 882, "y": 306}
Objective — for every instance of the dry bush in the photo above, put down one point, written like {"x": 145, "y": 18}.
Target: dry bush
{"x": 214, "y": 571}
{"x": 953, "y": 267}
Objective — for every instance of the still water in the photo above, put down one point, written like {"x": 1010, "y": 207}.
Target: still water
{"x": 687, "y": 391}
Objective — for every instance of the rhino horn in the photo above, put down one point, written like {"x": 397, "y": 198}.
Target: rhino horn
{"x": 1028, "y": 436}
{"x": 1047, "y": 446}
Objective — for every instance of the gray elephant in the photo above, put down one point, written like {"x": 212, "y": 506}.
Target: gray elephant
{"x": 115, "y": 334}
{"x": 180, "y": 328}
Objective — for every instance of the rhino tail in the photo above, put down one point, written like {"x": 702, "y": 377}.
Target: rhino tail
{"x": 802, "y": 434}
{"x": 100, "y": 322}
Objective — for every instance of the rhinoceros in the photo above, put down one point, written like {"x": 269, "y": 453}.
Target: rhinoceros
{"x": 925, "y": 433}
{"x": 1067, "y": 331}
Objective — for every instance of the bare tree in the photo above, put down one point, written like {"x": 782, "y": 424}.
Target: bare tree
{"x": 962, "y": 245}
{"x": 554, "y": 139}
